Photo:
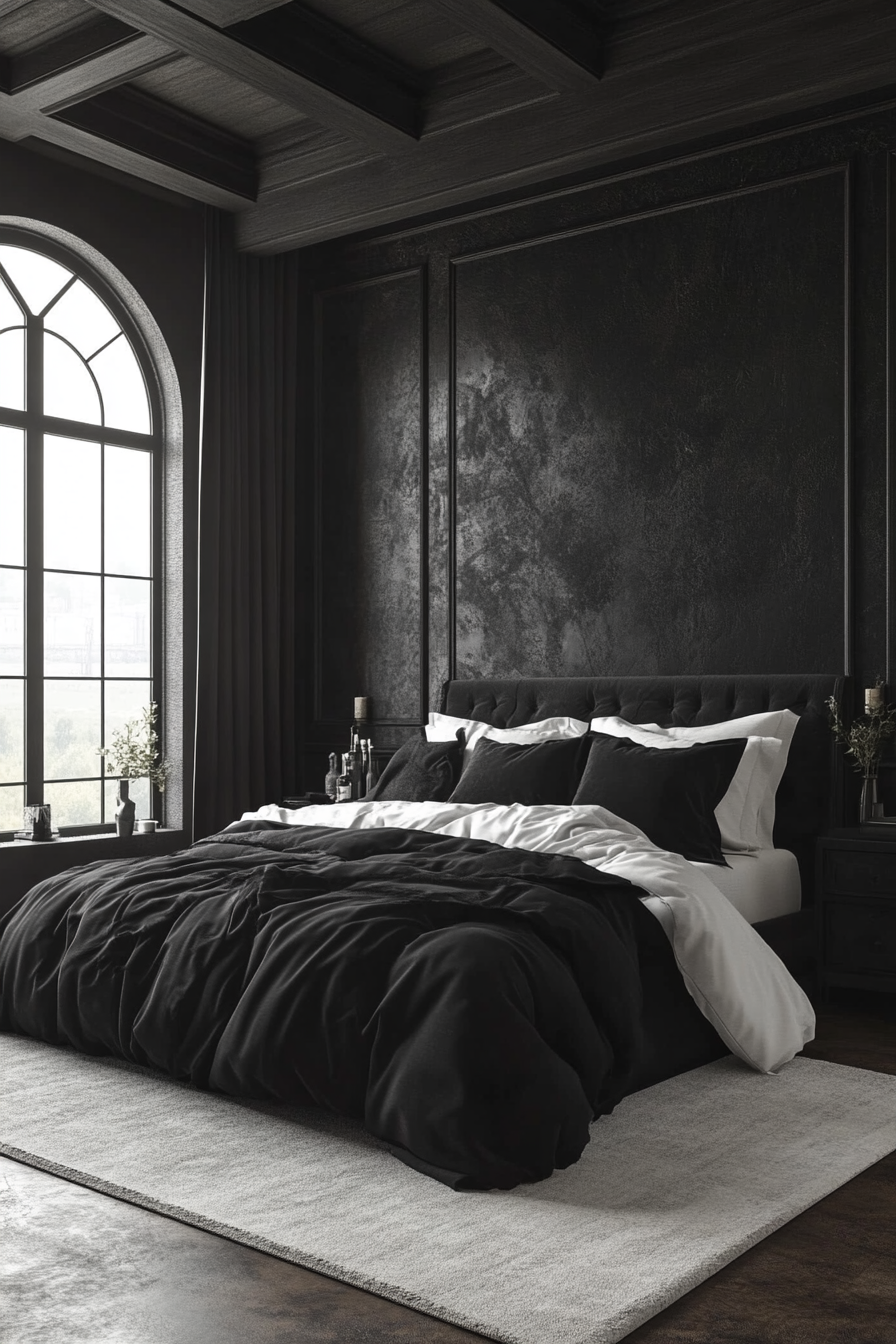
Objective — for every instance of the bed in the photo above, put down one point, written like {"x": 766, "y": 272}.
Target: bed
{"x": 476, "y": 981}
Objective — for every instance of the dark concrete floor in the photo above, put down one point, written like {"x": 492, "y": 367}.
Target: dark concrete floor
{"x": 78, "y": 1266}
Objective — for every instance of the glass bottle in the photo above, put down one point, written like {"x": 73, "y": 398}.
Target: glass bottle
{"x": 344, "y": 781}
{"x": 373, "y": 772}
{"x": 332, "y": 776}
{"x": 356, "y": 767}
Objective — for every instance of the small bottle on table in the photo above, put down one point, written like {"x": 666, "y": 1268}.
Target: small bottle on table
{"x": 344, "y": 781}
{"x": 373, "y": 773}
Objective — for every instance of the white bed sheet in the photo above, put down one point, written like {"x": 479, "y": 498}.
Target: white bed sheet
{"x": 761, "y": 885}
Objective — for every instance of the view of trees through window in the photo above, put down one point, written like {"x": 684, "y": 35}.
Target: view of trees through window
{"x": 76, "y": 539}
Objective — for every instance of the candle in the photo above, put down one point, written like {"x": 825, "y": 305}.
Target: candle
{"x": 874, "y": 699}
{"x": 362, "y": 706}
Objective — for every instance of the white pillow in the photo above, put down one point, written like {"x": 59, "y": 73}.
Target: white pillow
{"x": 746, "y": 815}
{"x": 443, "y": 727}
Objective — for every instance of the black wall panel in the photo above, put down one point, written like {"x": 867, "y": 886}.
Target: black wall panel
{"x": 651, "y": 419}
{"x": 371, "y": 483}
{"x": 650, "y": 442}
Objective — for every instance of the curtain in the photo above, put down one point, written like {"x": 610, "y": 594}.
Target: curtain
{"x": 245, "y": 694}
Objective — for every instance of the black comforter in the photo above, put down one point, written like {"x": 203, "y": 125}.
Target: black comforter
{"x": 475, "y": 1006}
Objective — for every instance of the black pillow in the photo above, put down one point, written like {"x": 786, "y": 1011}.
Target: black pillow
{"x": 669, "y": 793}
{"x": 511, "y": 772}
{"x": 419, "y": 772}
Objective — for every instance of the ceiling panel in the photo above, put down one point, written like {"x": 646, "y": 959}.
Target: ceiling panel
{"x": 38, "y": 22}
{"x": 218, "y": 99}
{"x": 407, "y": 30}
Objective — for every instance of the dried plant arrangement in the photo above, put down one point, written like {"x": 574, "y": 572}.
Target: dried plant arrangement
{"x": 134, "y": 752}
{"x": 868, "y": 734}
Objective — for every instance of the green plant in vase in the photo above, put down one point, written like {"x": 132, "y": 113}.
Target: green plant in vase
{"x": 864, "y": 741}
{"x": 134, "y": 754}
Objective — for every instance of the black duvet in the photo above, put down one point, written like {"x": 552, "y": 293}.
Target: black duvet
{"x": 475, "y": 1006}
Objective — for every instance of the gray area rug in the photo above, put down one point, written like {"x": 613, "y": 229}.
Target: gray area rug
{"x": 679, "y": 1181}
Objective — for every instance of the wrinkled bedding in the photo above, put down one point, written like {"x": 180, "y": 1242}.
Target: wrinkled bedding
{"x": 475, "y": 1004}
{"x": 736, "y": 981}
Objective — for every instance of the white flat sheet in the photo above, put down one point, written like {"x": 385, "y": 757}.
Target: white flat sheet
{"x": 733, "y": 976}
{"x": 761, "y": 885}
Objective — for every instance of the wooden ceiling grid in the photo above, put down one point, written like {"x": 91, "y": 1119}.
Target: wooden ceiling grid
{"x": 316, "y": 119}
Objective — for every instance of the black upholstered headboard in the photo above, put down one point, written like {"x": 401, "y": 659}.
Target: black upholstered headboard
{"x": 809, "y": 798}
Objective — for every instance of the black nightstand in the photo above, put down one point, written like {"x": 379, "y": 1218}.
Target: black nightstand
{"x": 856, "y": 894}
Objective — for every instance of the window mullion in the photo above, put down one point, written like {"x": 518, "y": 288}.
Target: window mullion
{"x": 34, "y": 561}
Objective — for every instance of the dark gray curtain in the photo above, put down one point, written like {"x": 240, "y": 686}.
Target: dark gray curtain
{"x": 245, "y": 714}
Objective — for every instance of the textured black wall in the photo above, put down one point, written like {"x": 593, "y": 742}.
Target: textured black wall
{"x": 650, "y": 443}
{"x": 370, "y": 484}
{"x": 635, "y": 426}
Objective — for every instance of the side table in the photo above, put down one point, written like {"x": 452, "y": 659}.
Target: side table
{"x": 856, "y": 896}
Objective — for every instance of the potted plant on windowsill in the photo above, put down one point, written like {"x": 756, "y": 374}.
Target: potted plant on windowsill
{"x": 134, "y": 754}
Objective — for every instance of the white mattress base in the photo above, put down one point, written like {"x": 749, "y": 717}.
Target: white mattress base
{"x": 760, "y": 885}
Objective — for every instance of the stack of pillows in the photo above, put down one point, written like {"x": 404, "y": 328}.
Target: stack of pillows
{"x": 696, "y": 791}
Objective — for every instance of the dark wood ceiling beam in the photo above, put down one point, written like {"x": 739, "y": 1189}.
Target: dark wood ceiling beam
{"x": 106, "y": 69}
{"x": 122, "y": 159}
{"x": 473, "y": 90}
{"x": 556, "y": 42}
{"x": 63, "y": 53}
{"x": 204, "y": 42}
{"x": 153, "y": 130}
{"x": 15, "y": 122}
{"x": 213, "y": 167}
{"x": 224, "y": 12}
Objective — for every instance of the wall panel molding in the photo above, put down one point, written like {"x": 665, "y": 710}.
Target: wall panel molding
{"x": 849, "y": 633}
{"x": 890, "y": 421}
{"x": 326, "y": 727}
{"x": 466, "y": 256}
{"x": 838, "y": 169}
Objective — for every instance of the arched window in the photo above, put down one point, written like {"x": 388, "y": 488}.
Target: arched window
{"x": 80, "y": 533}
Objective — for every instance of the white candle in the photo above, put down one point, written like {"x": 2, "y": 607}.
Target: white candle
{"x": 874, "y": 698}
{"x": 362, "y": 705}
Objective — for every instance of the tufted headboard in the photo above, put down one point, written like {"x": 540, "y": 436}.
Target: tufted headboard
{"x": 809, "y": 798}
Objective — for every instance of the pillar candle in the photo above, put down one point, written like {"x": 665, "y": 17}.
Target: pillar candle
{"x": 874, "y": 698}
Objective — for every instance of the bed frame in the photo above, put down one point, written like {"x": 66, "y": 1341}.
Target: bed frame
{"x": 809, "y": 798}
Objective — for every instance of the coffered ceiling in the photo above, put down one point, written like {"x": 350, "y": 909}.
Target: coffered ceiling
{"x": 316, "y": 120}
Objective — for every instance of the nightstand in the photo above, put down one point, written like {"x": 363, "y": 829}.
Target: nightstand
{"x": 856, "y": 896}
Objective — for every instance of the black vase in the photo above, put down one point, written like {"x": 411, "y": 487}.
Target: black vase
{"x": 126, "y": 809}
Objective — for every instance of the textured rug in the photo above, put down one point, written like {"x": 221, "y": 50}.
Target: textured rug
{"x": 680, "y": 1180}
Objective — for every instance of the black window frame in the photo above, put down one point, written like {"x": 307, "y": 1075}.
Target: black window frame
{"x": 36, "y": 425}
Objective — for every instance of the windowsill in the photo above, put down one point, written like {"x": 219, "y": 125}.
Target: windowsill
{"x": 101, "y": 837}
{"x": 26, "y": 862}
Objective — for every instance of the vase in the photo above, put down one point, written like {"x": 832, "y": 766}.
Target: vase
{"x": 868, "y": 805}
{"x": 124, "y": 812}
